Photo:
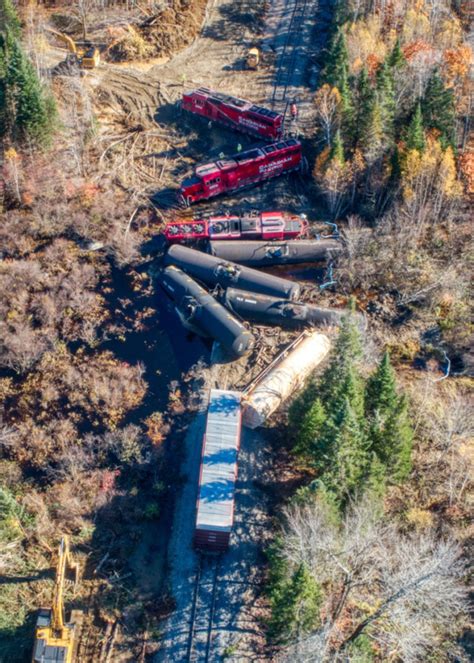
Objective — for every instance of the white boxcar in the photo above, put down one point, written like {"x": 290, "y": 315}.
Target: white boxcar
{"x": 215, "y": 505}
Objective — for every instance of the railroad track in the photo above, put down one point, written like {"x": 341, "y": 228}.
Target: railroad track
{"x": 202, "y": 609}
{"x": 286, "y": 64}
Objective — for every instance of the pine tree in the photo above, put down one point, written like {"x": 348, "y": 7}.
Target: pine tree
{"x": 396, "y": 59}
{"x": 347, "y": 350}
{"x": 337, "y": 149}
{"x": 396, "y": 442}
{"x": 372, "y": 132}
{"x": 386, "y": 100}
{"x": 365, "y": 100}
{"x": 438, "y": 108}
{"x": 381, "y": 391}
{"x": 295, "y": 603}
{"x": 376, "y": 476}
{"x": 336, "y": 74}
{"x": 9, "y": 18}
{"x": 390, "y": 432}
{"x": 351, "y": 455}
{"x": 25, "y": 108}
{"x": 310, "y": 430}
{"x": 415, "y": 133}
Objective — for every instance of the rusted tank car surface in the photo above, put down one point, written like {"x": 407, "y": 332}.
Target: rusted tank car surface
{"x": 218, "y": 473}
{"x": 214, "y": 271}
{"x": 237, "y": 114}
{"x": 241, "y": 170}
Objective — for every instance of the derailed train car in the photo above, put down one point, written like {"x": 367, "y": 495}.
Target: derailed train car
{"x": 214, "y": 271}
{"x": 234, "y": 113}
{"x": 273, "y": 311}
{"x": 199, "y": 311}
{"x": 218, "y": 472}
{"x": 242, "y": 170}
{"x": 262, "y": 254}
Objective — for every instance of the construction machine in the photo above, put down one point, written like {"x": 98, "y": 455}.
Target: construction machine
{"x": 253, "y": 58}
{"x": 55, "y": 639}
{"x": 84, "y": 53}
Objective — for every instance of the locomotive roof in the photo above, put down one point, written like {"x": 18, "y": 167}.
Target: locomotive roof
{"x": 235, "y": 101}
{"x": 248, "y": 155}
{"x": 219, "y": 462}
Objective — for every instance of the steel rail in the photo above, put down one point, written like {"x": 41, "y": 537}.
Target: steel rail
{"x": 196, "y": 610}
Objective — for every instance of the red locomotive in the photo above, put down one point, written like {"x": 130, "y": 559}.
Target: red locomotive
{"x": 263, "y": 226}
{"x": 242, "y": 170}
{"x": 234, "y": 113}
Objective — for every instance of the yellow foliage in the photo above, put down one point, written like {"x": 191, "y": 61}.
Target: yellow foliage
{"x": 449, "y": 184}
{"x": 321, "y": 161}
{"x": 416, "y": 26}
{"x": 420, "y": 518}
{"x": 450, "y": 33}
{"x": 434, "y": 167}
{"x": 364, "y": 39}
{"x": 327, "y": 95}
{"x": 458, "y": 62}
{"x": 11, "y": 154}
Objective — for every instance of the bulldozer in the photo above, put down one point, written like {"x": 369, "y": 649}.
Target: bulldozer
{"x": 83, "y": 53}
{"x": 253, "y": 58}
{"x": 56, "y": 639}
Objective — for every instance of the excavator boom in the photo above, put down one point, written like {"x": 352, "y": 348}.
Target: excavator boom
{"x": 54, "y": 639}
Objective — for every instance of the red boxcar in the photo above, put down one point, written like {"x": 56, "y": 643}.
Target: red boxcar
{"x": 218, "y": 475}
{"x": 242, "y": 170}
{"x": 264, "y": 226}
{"x": 234, "y": 113}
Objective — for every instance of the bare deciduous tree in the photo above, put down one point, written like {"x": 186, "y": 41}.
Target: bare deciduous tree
{"x": 406, "y": 592}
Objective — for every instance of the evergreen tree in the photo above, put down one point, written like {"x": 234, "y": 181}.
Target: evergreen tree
{"x": 438, "y": 108}
{"x": 372, "y": 132}
{"x": 376, "y": 476}
{"x": 365, "y": 100}
{"x": 310, "y": 430}
{"x": 381, "y": 391}
{"x": 25, "y": 109}
{"x": 386, "y": 100}
{"x": 336, "y": 74}
{"x": 295, "y": 603}
{"x": 347, "y": 350}
{"x": 9, "y": 18}
{"x": 396, "y": 59}
{"x": 390, "y": 432}
{"x": 351, "y": 455}
{"x": 337, "y": 149}
{"x": 415, "y": 134}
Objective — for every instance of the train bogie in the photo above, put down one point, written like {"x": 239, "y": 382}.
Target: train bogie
{"x": 214, "y": 271}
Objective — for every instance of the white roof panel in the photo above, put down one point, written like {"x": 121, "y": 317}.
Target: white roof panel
{"x": 219, "y": 462}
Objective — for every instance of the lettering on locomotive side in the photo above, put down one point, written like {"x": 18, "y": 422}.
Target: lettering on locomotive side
{"x": 251, "y": 123}
{"x": 275, "y": 164}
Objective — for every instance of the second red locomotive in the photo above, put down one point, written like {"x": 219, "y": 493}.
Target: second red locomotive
{"x": 234, "y": 113}
{"x": 242, "y": 170}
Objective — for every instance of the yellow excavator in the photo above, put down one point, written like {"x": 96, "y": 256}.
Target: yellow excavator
{"x": 55, "y": 640}
{"x": 84, "y": 53}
